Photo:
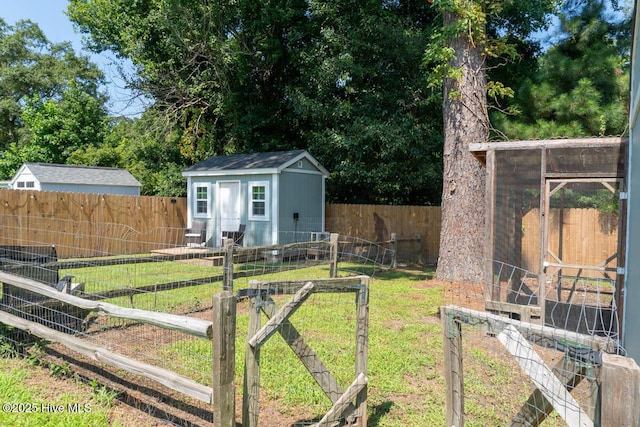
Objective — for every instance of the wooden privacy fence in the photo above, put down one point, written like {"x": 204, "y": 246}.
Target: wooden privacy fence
{"x": 584, "y": 356}
{"x": 578, "y": 236}
{"x": 83, "y": 224}
{"x": 95, "y": 224}
{"x": 377, "y": 223}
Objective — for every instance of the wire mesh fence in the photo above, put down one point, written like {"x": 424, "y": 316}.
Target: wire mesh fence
{"x": 156, "y": 271}
{"x": 508, "y": 372}
{"x": 517, "y": 359}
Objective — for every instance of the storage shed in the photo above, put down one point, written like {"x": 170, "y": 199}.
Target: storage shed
{"x": 555, "y": 217}
{"x": 272, "y": 198}
{"x": 72, "y": 178}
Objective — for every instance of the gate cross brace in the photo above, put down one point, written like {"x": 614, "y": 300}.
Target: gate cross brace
{"x": 282, "y": 315}
{"x": 538, "y": 408}
{"x": 307, "y": 356}
{"x": 546, "y": 382}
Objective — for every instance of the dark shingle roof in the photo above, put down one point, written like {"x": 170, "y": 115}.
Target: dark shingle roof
{"x": 89, "y": 175}
{"x": 268, "y": 160}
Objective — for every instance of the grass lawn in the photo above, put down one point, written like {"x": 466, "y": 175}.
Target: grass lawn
{"x": 32, "y": 397}
{"x": 405, "y": 360}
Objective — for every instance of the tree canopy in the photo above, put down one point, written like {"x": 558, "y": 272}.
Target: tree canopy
{"x": 580, "y": 85}
{"x": 358, "y": 85}
{"x": 343, "y": 81}
{"x": 50, "y": 102}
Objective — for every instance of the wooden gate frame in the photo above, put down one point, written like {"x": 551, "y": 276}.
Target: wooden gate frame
{"x": 261, "y": 301}
{"x": 553, "y": 385}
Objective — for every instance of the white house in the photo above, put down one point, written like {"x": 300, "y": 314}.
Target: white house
{"x": 78, "y": 179}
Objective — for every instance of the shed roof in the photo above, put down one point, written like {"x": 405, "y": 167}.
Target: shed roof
{"x": 49, "y": 173}
{"x": 268, "y": 162}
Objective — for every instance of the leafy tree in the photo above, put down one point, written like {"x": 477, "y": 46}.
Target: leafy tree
{"x": 342, "y": 80}
{"x": 367, "y": 114}
{"x": 152, "y": 157}
{"x": 60, "y": 127}
{"x": 184, "y": 54}
{"x": 580, "y": 87}
{"x": 31, "y": 66}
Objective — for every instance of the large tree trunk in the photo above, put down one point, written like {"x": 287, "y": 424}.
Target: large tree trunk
{"x": 461, "y": 257}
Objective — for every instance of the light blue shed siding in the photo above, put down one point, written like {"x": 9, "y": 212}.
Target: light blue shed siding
{"x": 300, "y": 193}
{"x": 257, "y": 232}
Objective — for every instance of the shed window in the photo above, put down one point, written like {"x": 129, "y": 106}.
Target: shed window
{"x": 202, "y": 200}
{"x": 258, "y": 210}
{"x": 26, "y": 184}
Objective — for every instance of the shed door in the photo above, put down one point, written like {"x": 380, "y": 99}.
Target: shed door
{"x": 228, "y": 207}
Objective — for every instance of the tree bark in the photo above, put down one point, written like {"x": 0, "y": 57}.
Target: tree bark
{"x": 461, "y": 257}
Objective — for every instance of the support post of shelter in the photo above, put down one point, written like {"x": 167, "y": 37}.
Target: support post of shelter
{"x": 224, "y": 370}
{"x": 333, "y": 248}
{"x": 490, "y": 194}
{"x": 619, "y": 391}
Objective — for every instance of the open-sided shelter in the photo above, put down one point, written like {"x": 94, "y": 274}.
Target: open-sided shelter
{"x": 555, "y": 214}
{"x": 272, "y": 198}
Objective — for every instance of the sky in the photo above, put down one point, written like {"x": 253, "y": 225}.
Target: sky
{"x": 52, "y": 20}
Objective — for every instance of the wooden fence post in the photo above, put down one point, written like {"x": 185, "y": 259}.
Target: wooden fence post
{"x": 333, "y": 244}
{"x": 419, "y": 238}
{"x": 362, "y": 347}
{"x": 453, "y": 376}
{"x": 394, "y": 248}
{"x": 251, "y": 385}
{"x": 227, "y": 266}
{"x": 224, "y": 366}
{"x": 619, "y": 391}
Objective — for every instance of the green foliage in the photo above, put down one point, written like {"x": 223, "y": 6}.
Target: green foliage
{"x": 369, "y": 117}
{"x": 59, "y": 370}
{"x": 580, "y": 85}
{"x": 35, "y": 71}
{"x": 60, "y": 127}
{"x": 342, "y": 80}
{"x": 499, "y": 28}
{"x": 152, "y": 157}
{"x": 102, "y": 394}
